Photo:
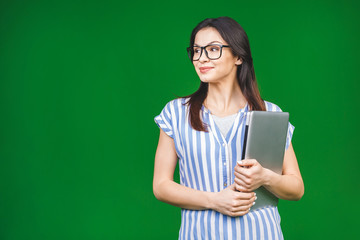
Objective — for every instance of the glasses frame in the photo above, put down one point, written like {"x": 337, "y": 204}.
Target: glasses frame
{"x": 191, "y": 54}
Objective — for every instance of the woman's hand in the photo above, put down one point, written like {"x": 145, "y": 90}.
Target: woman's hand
{"x": 249, "y": 175}
{"x": 233, "y": 203}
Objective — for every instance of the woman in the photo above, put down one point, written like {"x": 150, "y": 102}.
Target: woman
{"x": 204, "y": 131}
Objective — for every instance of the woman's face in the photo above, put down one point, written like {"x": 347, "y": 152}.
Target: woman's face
{"x": 219, "y": 70}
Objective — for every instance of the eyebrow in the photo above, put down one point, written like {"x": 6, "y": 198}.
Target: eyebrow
{"x": 195, "y": 44}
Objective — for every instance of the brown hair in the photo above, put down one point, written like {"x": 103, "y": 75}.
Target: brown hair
{"x": 235, "y": 36}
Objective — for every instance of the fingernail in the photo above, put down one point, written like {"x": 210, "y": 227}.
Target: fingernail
{"x": 255, "y": 197}
{"x": 255, "y": 193}
{"x": 253, "y": 203}
{"x": 239, "y": 162}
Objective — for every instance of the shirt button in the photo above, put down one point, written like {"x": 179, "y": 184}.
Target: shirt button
{"x": 224, "y": 163}
{"x": 224, "y": 144}
{"x": 225, "y": 184}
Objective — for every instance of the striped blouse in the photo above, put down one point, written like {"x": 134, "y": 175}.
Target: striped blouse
{"x": 206, "y": 163}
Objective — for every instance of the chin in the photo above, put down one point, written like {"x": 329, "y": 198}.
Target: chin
{"x": 205, "y": 78}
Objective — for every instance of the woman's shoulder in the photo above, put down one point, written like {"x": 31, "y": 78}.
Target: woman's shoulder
{"x": 176, "y": 106}
{"x": 271, "y": 107}
{"x": 177, "y": 103}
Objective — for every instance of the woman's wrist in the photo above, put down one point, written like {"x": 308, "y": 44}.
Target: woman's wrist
{"x": 269, "y": 177}
{"x": 210, "y": 200}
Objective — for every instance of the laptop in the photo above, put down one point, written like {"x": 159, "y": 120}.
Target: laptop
{"x": 264, "y": 140}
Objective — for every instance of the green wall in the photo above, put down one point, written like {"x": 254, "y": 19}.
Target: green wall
{"x": 80, "y": 84}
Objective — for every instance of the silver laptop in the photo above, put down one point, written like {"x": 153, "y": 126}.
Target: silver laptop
{"x": 264, "y": 140}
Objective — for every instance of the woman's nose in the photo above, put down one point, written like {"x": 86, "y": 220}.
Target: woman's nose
{"x": 203, "y": 57}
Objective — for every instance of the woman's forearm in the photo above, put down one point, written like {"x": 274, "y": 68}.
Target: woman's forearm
{"x": 181, "y": 196}
{"x": 228, "y": 201}
{"x": 288, "y": 187}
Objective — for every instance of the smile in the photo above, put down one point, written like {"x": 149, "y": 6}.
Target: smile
{"x": 205, "y": 69}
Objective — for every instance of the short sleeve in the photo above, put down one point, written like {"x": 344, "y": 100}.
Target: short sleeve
{"x": 289, "y": 135}
{"x": 164, "y": 120}
{"x": 274, "y": 108}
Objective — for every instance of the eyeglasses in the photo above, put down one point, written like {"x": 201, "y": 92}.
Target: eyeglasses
{"x": 212, "y": 51}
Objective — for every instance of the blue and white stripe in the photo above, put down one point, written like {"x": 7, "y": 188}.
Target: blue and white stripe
{"x": 206, "y": 163}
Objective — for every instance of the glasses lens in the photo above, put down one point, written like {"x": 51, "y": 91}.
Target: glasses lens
{"x": 197, "y": 53}
{"x": 213, "y": 51}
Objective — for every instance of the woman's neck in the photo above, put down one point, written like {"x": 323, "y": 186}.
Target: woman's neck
{"x": 224, "y": 98}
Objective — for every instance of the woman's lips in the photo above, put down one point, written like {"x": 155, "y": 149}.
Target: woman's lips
{"x": 205, "y": 69}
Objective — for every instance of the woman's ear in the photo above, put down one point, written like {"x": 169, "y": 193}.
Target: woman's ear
{"x": 239, "y": 61}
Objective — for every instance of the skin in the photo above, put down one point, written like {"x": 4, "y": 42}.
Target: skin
{"x": 224, "y": 98}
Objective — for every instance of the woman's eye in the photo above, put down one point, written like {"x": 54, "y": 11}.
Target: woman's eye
{"x": 196, "y": 50}
{"x": 214, "y": 49}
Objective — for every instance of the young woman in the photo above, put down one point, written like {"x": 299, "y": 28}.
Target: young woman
{"x": 205, "y": 131}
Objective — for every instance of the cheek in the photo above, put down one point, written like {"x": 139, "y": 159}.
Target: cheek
{"x": 197, "y": 70}
{"x": 227, "y": 68}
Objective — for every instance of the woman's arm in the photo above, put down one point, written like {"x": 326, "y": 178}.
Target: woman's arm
{"x": 227, "y": 201}
{"x": 288, "y": 186}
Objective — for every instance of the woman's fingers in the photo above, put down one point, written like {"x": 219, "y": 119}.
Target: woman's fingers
{"x": 244, "y": 195}
{"x": 243, "y": 207}
{"x": 240, "y": 179}
{"x": 240, "y": 175}
{"x": 247, "y": 162}
{"x": 249, "y": 175}
{"x": 239, "y": 213}
{"x": 242, "y": 171}
{"x": 233, "y": 203}
{"x": 242, "y": 188}
{"x": 242, "y": 183}
{"x": 241, "y": 210}
{"x": 232, "y": 186}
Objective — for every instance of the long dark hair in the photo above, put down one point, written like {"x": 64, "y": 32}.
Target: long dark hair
{"x": 236, "y": 38}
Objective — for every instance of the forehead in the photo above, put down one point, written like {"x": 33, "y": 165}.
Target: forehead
{"x": 208, "y": 35}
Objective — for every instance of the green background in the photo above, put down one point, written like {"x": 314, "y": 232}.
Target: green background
{"x": 80, "y": 84}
